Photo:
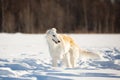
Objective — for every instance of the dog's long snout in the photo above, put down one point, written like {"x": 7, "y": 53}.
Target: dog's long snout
{"x": 58, "y": 41}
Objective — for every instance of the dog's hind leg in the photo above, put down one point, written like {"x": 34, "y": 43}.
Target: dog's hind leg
{"x": 66, "y": 60}
{"x": 73, "y": 60}
{"x": 74, "y": 55}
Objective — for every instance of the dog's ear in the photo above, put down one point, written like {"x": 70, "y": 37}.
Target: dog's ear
{"x": 48, "y": 31}
{"x": 54, "y": 29}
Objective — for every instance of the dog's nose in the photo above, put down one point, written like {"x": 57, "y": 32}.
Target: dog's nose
{"x": 58, "y": 41}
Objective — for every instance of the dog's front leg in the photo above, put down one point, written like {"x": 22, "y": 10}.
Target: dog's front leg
{"x": 54, "y": 62}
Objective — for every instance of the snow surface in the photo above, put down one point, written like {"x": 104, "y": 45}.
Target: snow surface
{"x": 26, "y": 57}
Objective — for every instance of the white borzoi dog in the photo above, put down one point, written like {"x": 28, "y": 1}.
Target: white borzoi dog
{"x": 62, "y": 47}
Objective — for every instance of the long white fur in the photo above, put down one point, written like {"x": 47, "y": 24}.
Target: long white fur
{"x": 63, "y": 47}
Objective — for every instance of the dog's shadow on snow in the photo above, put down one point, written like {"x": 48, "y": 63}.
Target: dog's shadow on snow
{"x": 107, "y": 75}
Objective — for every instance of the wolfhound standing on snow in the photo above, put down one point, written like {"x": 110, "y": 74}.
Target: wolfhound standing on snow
{"x": 62, "y": 47}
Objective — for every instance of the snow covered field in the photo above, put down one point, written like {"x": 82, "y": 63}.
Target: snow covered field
{"x": 26, "y": 57}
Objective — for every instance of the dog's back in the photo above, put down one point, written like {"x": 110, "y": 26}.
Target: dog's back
{"x": 68, "y": 39}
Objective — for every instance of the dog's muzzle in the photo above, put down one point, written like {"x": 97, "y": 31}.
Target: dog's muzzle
{"x": 56, "y": 41}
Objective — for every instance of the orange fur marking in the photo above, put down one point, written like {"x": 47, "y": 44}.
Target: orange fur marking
{"x": 69, "y": 39}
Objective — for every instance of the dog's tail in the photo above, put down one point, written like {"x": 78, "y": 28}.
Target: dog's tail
{"x": 88, "y": 55}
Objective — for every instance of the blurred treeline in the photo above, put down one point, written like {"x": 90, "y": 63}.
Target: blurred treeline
{"x": 69, "y": 16}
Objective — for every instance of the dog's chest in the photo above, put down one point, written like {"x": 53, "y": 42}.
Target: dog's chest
{"x": 57, "y": 48}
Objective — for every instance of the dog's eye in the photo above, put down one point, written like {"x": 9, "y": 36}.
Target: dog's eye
{"x": 53, "y": 35}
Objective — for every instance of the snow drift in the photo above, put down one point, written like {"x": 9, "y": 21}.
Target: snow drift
{"x": 26, "y": 57}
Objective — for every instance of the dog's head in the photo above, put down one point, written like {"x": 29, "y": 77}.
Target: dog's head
{"x": 53, "y": 36}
